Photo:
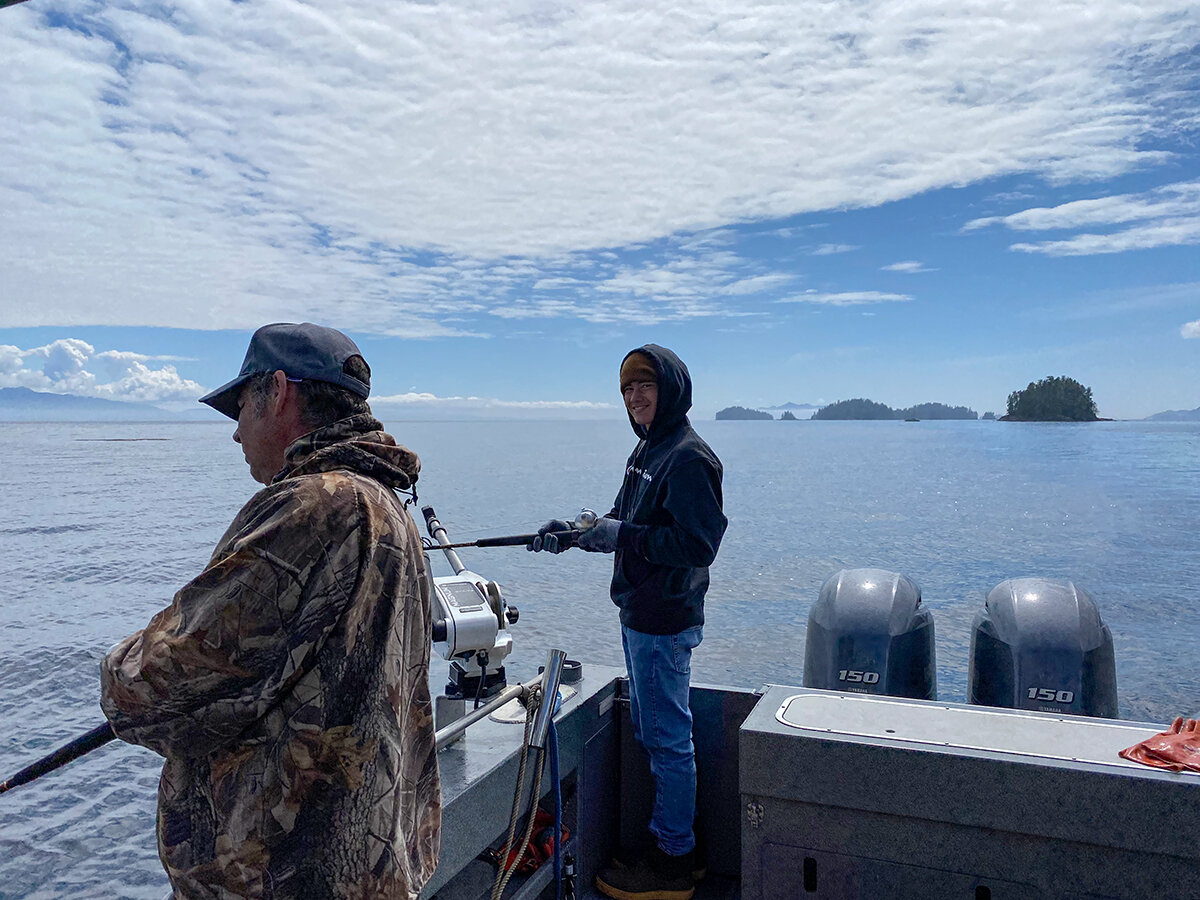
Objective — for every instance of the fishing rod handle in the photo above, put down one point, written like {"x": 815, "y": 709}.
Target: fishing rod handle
{"x": 85, "y": 743}
{"x": 511, "y": 540}
{"x": 566, "y": 538}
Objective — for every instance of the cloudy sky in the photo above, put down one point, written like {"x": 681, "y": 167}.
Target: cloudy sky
{"x": 907, "y": 201}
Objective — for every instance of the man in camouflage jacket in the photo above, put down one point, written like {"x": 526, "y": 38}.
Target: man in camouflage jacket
{"x": 287, "y": 684}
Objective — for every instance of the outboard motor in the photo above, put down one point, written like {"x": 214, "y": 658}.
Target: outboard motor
{"x": 1039, "y": 644}
{"x": 867, "y": 633}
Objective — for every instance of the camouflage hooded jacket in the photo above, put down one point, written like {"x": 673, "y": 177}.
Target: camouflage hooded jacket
{"x": 287, "y": 686}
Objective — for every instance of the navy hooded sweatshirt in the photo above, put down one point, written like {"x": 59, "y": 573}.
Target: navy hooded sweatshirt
{"x": 670, "y": 509}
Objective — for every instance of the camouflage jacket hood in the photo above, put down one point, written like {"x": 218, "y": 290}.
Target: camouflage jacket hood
{"x": 287, "y": 688}
{"x": 358, "y": 443}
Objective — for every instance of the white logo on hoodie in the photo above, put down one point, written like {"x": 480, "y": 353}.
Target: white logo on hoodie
{"x": 646, "y": 476}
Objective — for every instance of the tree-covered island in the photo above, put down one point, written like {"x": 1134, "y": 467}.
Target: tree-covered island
{"x": 1055, "y": 398}
{"x": 861, "y": 408}
{"x": 741, "y": 412}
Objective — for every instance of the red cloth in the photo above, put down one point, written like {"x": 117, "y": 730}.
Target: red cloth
{"x": 540, "y": 847}
{"x": 1177, "y": 748}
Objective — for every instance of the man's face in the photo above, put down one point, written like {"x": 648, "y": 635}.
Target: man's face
{"x": 641, "y": 399}
{"x": 260, "y": 436}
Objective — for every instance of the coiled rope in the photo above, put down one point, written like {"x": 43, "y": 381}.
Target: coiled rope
{"x": 505, "y": 871}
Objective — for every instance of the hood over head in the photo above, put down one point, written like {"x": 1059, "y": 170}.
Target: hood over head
{"x": 358, "y": 443}
{"x": 674, "y": 390}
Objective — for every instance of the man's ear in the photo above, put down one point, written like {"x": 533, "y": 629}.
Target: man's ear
{"x": 279, "y": 393}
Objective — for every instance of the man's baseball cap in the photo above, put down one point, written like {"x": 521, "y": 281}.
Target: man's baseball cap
{"x": 304, "y": 351}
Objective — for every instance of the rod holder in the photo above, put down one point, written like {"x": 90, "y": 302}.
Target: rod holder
{"x": 550, "y": 682}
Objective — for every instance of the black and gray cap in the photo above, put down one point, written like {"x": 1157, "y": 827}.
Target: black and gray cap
{"x": 304, "y": 351}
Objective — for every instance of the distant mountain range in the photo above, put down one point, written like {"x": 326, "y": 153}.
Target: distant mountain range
{"x": 24, "y": 405}
{"x": 1176, "y": 415}
{"x": 20, "y": 404}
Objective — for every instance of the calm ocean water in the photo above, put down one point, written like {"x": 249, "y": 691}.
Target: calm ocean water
{"x": 98, "y": 531}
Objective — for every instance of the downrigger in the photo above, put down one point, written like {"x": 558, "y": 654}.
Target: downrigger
{"x": 471, "y": 617}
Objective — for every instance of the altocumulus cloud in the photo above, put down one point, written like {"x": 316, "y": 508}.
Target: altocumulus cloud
{"x": 414, "y": 398}
{"x": 425, "y": 404}
{"x": 412, "y": 167}
{"x": 846, "y": 298}
{"x": 908, "y": 267}
{"x": 72, "y": 366}
{"x": 1165, "y": 216}
{"x": 1191, "y": 329}
{"x": 689, "y": 276}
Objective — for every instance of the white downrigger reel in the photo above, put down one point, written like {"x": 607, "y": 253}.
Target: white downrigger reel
{"x": 471, "y": 619}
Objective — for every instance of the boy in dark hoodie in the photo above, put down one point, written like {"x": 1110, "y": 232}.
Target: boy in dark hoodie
{"x": 664, "y": 528}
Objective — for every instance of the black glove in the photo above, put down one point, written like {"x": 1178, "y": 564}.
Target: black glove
{"x": 548, "y": 541}
{"x": 601, "y": 537}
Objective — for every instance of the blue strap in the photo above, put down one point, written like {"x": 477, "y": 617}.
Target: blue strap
{"x": 553, "y": 747}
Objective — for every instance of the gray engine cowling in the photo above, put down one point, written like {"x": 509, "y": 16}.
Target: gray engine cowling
{"x": 868, "y": 633}
{"x": 1039, "y": 644}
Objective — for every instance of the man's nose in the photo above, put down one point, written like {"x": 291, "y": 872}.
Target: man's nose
{"x": 237, "y": 438}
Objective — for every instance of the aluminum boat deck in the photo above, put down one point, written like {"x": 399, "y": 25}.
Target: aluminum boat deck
{"x": 806, "y": 793}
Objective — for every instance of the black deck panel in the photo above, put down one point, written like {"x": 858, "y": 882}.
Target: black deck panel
{"x": 479, "y": 774}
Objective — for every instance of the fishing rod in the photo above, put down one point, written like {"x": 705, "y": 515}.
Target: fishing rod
{"x": 508, "y": 540}
{"x": 102, "y": 734}
{"x": 85, "y": 743}
{"x": 582, "y": 522}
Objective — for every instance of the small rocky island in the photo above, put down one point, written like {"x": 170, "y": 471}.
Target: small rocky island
{"x": 863, "y": 409}
{"x": 741, "y": 412}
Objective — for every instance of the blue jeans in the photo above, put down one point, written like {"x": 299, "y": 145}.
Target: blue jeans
{"x": 660, "y": 667}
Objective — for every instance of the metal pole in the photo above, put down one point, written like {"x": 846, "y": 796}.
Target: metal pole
{"x": 550, "y": 681}
{"x": 438, "y": 533}
{"x": 458, "y": 726}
